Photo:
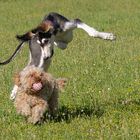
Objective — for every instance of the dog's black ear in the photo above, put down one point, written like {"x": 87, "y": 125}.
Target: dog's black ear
{"x": 44, "y": 27}
{"x": 25, "y": 37}
{"x": 45, "y": 35}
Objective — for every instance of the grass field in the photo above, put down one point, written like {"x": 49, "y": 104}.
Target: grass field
{"x": 102, "y": 98}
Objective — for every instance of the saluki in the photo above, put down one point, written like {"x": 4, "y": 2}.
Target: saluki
{"x": 54, "y": 30}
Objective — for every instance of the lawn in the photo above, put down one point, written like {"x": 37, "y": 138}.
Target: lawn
{"x": 102, "y": 98}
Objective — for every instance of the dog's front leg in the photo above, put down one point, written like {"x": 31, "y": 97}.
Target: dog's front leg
{"x": 38, "y": 113}
{"x": 14, "y": 92}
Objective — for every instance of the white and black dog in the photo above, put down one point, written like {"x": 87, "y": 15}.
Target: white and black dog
{"x": 54, "y": 29}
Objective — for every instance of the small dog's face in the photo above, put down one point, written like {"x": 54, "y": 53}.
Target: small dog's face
{"x": 32, "y": 81}
{"x": 35, "y": 81}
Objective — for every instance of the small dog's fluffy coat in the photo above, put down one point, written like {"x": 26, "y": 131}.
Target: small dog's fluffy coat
{"x": 37, "y": 92}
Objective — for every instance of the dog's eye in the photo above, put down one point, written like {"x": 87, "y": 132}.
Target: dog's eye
{"x": 38, "y": 41}
{"x": 41, "y": 75}
{"x": 44, "y": 41}
{"x": 31, "y": 75}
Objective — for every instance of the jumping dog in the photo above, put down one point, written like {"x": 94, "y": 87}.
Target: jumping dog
{"x": 54, "y": 29}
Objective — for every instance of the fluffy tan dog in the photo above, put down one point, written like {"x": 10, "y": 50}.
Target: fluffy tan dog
{"x": 37, "y": 92}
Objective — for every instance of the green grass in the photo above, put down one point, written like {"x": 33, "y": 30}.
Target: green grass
{"x": 102, "y": 97}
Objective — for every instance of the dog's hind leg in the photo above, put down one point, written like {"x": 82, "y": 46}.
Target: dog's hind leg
{"x": 16, "y": 86}
{"x": 77, "y": 23}
{"x": 61, "y": 45}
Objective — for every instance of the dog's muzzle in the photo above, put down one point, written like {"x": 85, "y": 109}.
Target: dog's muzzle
{"x": 37, "y": 86}
{"x": 52, "y": 53}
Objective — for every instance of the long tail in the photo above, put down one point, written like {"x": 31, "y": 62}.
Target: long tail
{"x": 14, "y": 54}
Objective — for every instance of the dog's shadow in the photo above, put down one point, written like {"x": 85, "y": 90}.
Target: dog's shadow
{"x": 67, "y": 114}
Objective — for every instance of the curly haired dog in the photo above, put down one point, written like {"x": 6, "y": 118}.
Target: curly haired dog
{"x": 37, "y": 92}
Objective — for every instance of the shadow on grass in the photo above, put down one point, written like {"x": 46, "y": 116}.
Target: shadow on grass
{"x": 67, "y": 114}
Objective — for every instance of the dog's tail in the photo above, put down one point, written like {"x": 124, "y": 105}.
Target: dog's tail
{"x": 13, "y": 55}
{"x": 43, "y": 27}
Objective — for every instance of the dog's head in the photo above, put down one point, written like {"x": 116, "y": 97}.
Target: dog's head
{"x": 41, "y": 48}
{"x": 32, "y": 80}
{"x": 41, "y": 42}
{"x": 44, "y": 27}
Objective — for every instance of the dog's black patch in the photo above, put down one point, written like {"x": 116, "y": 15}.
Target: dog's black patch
{"x": 44, "y": 35}
{"x": 57, "y": 20}
{"x": 78, "y": 21}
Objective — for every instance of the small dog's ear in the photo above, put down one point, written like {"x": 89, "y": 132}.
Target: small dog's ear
{"x": 61, "y": 82}
{"x": 16, "y": 79}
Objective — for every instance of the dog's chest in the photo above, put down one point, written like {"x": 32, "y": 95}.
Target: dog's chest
{"x": 42, "y": 98}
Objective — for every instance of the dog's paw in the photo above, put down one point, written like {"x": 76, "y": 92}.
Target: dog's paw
{"x": 34, "y": 121}
{"x": 12, "y": 97}
{"x": 102, "y": 35}
{"x": 108, "y": 36}
{"x": 14, "y": 92}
